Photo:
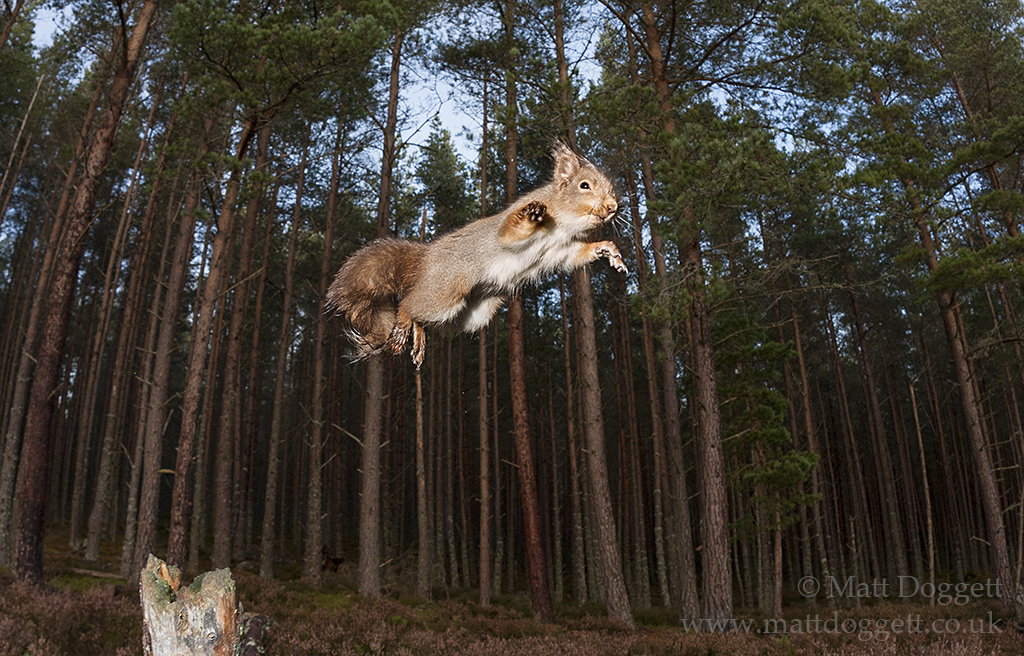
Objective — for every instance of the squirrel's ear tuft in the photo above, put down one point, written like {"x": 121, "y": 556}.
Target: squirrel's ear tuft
{"x": 567, "y": 164}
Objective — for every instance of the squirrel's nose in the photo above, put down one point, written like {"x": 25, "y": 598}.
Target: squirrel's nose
{"x": 610, "y": 205}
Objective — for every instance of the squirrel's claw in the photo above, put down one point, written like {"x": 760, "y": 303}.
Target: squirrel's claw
{"x": 610, "y": 252}
{"x": 397, "y": 339}
{"x": 419, "y": 344}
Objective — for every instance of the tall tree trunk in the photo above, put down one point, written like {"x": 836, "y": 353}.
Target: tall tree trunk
{"x": 284, "y": 341}
{"x": 197, "y": 527}
{"x": 111, "y": 279}
{"x": 485, "y": 478}
{"x": 220, "y": 257}
{"x": 812, "y": 446}
{"x": 255, "y": 378}
{"x": 424, "y": 562}
{"x": 106, "y": 476}
{"x": 717, "y": 576}
{"x": 484, "y": 420}
{"x": 659, "y": 475}
{"x": 929, "y": 528}
{"x": 592, "y": 419}
{"x": 978, "y": 447}
{"x": 143, "y": 490}
{"x": 680, "y": 542}
{"x": 228, "y": 430}
{"x": 558, "y": 567}
{"x": 579, "y": 570}
{"x": 33, "y": 469}
{"x": 681, "y": 549}
{"x": 540, "y": 595}
{"x": 373, "y": 407}
{"x": 369, "y": 496}
{"x": 26, "y": 362}
{"x": 312, "y": 568}
{"x": 892, "y": 527}
{"x": 597, "y": 469}
{"x": 449, "y": 479}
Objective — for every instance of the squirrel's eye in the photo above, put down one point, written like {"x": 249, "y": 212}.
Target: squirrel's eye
{"x": 584, "y": 185}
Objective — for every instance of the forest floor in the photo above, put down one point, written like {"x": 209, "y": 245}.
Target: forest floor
{"x": 91, "y": 615}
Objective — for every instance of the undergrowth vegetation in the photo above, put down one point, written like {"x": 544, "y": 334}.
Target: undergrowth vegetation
{"x": 80, "y": 614}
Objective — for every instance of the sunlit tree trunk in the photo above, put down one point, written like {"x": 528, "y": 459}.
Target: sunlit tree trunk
{"x": 33, "y": 469}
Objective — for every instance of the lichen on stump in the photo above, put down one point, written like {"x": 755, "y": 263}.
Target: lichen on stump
{"x": 200, "y": 619}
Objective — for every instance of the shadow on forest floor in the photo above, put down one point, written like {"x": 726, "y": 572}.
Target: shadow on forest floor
{"x": 97, "y": 615}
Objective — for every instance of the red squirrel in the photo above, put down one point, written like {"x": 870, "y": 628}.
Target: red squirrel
{"x": 393, "y": 287}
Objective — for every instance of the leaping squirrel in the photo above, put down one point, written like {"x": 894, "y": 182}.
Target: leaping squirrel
{"x": 393, "y": 287}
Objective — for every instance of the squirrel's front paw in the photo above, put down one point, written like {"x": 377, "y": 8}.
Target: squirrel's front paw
{"x": 611, "y": 252}
{"x": 534, "y": 211}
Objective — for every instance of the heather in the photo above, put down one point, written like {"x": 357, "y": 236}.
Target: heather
{"x": 80, "y": 614}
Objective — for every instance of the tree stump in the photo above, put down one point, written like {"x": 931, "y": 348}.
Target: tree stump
{"x": 203, "y": 618}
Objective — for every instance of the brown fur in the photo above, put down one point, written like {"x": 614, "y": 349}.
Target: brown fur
{"x": 368, "y": 288}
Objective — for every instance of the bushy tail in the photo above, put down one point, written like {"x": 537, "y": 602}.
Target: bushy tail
{"x": 369, "y": 286}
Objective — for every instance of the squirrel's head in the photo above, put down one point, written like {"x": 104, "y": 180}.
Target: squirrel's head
{"x": 584, "y": 186}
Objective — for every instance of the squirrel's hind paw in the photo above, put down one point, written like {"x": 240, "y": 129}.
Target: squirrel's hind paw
{"x": 397, "y": 339}
{"x": 419, "y": 344}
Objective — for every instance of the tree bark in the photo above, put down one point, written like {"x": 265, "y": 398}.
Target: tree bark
{"x": 151, "y": 438}
{"x": 13, "y": 429}
{"x": 252, "y": 404}
{"x": 484, "y": 419}
{"x": 312, "y": 567}
{"x": 228, "y": 430}
{"x": 34, "y": 464}
{"x": 111, "y": 279}
{"x": 717, "y": 575}
{"x": 12, "y": 18}
{"x": 106, "y": 476}
{"x": 197, "y": 355}
{"x": 597, "y": 468}
{"x": 891, "y": 524}
{"x": 812, "y": 446}
{"x": 202, "y": 618}
{"x": 369, "y": 497}
{"x": 540, "y": 595}
{"x": 284, "y": 342}
{"x": 978, "y": 446}
{"x": 485, "y": 478}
